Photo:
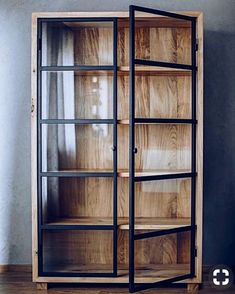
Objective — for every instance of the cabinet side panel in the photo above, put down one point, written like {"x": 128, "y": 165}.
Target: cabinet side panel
{"x": 199, "y": 184}
{"x": 34, "y": 149}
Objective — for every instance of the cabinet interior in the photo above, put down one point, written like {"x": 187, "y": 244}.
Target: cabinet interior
{"x": 162, "y": 148}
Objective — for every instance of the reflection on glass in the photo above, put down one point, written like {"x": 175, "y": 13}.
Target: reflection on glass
{"x": 163, "y": 39}
{"x": 164, "y": 198}
{"x": 71, "y": 198}
{"x": 163, "y": 147}
{"x": 165, "y": 96}
{"x": 71, "y": 95}
{"x": 74, "y": 43}
{"x": 172, "y": 258}
{"x": 69, "y": 147}
{"x": 73, "y": 251}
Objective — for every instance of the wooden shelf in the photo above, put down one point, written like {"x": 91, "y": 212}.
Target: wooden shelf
{"x": 139, "y": 70}
{"x": 122, "y": 173}
{"x": 150, "y": 122}
{"x": 159, "y": 223}
{"x": 153, "y": 70}
{"x": 146, "y": 273}
{"x": 142, "y": 223}
{"x": 125, "y": 173}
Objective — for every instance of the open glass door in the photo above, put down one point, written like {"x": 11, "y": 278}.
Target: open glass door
{"x": 162, "y": 154}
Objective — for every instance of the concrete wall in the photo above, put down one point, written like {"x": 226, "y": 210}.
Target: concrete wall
{"x": 219, "y": 163}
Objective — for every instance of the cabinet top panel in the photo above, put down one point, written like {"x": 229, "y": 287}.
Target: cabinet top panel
{"x": 120, "y": 14}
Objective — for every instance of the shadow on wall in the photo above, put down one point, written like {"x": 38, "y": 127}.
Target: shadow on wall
{"x": 219, "y": 148}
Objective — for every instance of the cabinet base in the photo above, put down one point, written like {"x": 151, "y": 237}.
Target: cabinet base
{"x": 42, "y": 286}
{"x": 192, "y": 288}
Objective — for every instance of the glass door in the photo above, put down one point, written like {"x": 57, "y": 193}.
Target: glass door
{"x": 162, "y": 154}
{"x": 77, "y": 147}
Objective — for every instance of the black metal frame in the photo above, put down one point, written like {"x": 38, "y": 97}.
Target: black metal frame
{"x": 132, "y": 150}
{"x": 41, "y": 226}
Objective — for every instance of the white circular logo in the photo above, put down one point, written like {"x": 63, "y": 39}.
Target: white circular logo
{"x": 221, "y": 277}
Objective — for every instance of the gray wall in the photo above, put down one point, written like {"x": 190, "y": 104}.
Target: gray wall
{"x": 219, "y": 162}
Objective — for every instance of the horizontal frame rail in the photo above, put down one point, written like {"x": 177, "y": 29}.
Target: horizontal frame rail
{"x": 164, "y": 64}
{"x": 78, "y": 68}
{"x": 165, "y": 177}
{"x": 163, "y": 232}
{"x": 77, "y": 121}
{"x": 165, "y": 121}
{"x": 73, "y": 274}
{"x": 77, "y": 174}
{"x": 163, "y": 13}
{"x": 162, "y": 283}
{"x": 77, "y": 19}
{"x": 77, "y": 227}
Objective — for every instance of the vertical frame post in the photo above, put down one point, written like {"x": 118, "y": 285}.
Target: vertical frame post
{"x": 131, "y": 151}
{"x": 39, "y": 148}
{"x": 115, "y": 222}
{"x": 193, "y": 142}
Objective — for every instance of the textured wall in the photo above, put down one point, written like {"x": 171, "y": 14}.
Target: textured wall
{"x": 219, "y": 163}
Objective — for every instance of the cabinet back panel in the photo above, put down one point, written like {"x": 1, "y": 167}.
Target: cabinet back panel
{"x": 160, "y": 147}
{"x": 156, "y": 96}
{"x": 156, "y": 43}
{"x": 69, "y": 147}
{"x": 77, "y": 44}
{"x": 77, "y": 197}
{"x": 169, "y": 249}
{"x": 77, "y": 248}
{"x": 166, "y": 198}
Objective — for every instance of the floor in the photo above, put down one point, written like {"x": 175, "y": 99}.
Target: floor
{"x": 20, "y": 283}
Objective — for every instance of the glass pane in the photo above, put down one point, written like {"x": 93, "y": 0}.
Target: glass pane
{"x": 163, "y": 204}
{"x": 77, "y": 94}
{"x": 163, "y": 148}
{"x": 71, "y": 200}
{"x": 68, "y": 147}
{"x": 162, "y": 39}
{"x": 77, "y": 43}
{"x": 77, "y": 251}
{"x": 161, "y": 258}
{"x": 162, "y": 94}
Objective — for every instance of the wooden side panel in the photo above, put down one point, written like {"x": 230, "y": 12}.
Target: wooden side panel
{"x": 34, "y": 149}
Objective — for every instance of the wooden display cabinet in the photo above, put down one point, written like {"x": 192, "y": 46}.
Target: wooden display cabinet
{"x": 117, "y": 147}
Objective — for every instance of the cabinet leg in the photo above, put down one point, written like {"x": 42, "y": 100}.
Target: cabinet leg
{"x": 192, "y": 288}
{"x": 42, "y": 286}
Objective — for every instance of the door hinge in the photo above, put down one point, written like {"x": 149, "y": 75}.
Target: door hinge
{"x": 196, "y": 45}
{"x": 39, "y": 44}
